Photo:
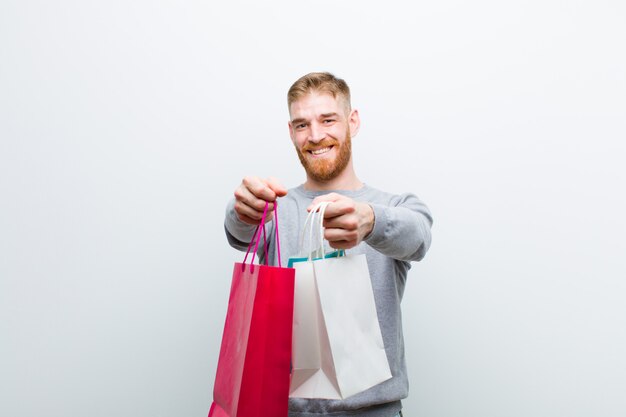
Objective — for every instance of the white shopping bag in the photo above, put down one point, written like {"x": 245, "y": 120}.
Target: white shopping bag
{"x": 338, "y": 348}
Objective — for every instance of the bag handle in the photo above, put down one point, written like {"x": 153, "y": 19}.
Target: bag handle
{"x": 314, "y": 218}
{"x": 315, "y": 223}
{"x": 309, "y": 217}
{"x": 320, "y": 227}
{"x": 256, "y": 238}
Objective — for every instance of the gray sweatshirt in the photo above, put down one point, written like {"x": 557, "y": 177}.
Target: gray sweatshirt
{"x": 401, "y": 234}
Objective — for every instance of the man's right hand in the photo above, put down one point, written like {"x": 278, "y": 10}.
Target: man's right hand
{"x": 251, "y": 196}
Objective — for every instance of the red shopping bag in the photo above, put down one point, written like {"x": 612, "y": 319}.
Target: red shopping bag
{"x": 253, "y": 371}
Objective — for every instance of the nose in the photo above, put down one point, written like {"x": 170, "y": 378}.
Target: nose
{"x": 316, "y": 133}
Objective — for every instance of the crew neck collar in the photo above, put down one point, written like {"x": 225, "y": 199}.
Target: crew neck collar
{"x": 316, "y": 193}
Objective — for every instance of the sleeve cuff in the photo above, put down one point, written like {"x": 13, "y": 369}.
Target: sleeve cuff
{"x": 377, "y": 235}
{"x": 236, "y": 227}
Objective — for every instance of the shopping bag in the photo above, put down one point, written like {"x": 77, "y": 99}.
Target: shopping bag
{"x": 338, "y": 348}
{"x": 253, "y": 370}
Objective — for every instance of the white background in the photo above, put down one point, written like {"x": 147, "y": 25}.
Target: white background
{"x": 126, "y": 126}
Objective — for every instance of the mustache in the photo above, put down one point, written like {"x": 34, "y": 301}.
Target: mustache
{"x": 323, "y": 144}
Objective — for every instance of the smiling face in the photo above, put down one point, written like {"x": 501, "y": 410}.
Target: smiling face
{"x": 321, "y": 128}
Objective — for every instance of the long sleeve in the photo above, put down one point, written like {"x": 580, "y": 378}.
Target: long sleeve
{"x": 238, "y": 233}
{"x": 401, "y": 230}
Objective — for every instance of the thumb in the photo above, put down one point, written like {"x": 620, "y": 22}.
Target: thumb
{"x": 331, "y": 198}
{"x": 276, "y": 186}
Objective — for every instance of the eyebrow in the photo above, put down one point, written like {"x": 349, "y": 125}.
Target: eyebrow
{"x": 322, "y": 116}
{"x": 298, "y": 121}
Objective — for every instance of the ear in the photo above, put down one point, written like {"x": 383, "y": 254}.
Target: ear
{"x": 354, "y": 122}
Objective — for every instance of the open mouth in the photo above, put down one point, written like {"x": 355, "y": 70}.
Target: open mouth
{"x": 321, "y": 151}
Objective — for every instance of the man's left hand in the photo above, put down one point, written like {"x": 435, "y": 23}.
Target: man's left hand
{"x": 346, "y": 222}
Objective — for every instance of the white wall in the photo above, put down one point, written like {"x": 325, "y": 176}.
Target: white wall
{"x": 125, "y": 127}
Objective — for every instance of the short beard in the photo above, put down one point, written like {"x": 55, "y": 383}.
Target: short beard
{"x": 324, "y": 170}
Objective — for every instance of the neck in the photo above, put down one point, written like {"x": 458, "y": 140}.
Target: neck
{"x": 347, "y": 181}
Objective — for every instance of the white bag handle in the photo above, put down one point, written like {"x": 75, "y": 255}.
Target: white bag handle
{"x": 320, "y": 229}
{"x": 309, "y": 217}
{"x": 314, "y": 222}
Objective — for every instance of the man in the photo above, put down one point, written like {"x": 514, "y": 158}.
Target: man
{"x": 391, "y": 230}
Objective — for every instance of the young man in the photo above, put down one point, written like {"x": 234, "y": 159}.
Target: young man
{"x": 392, "y": 230}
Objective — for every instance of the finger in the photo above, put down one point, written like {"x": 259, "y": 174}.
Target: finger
{"x": 331, "y": 197}
{"x": 339, "y": 235}
{"x": 276, "y": 186}
{"x": 343, "y": 244}
{"x": 244, "y": 195}
{"x": 259, "y": 188}
{"x": 247, "y": 219}
{"x": 250, "y": 215}
{"x": 346, "y": 222}
{"x": 243, "y": 209}
{"x": 339, "y": 208}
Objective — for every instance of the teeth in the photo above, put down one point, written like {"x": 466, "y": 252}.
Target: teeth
{"x": 320, "y": 151}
